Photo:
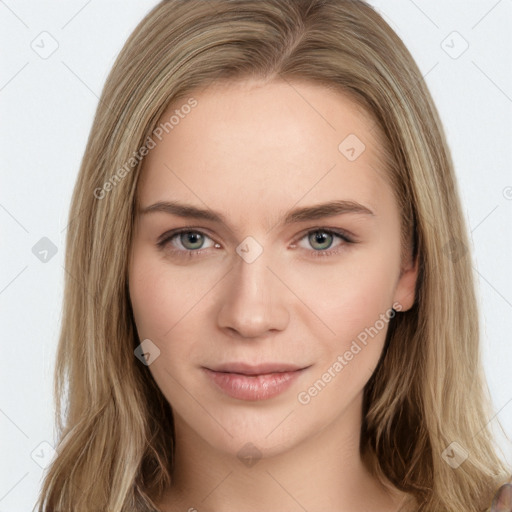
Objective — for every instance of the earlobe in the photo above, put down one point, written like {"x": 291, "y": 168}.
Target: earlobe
{"x": 405, "y": 293}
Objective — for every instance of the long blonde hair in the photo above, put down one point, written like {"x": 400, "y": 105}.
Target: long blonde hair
{"x": 115, "y": 428}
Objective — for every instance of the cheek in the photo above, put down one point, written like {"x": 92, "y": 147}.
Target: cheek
{"x": 356, "y": 305}
{"x": 152, "y": 303}
{"x": 358, "y": 311}
{"x": 163, "y": 296}
{"x": 169, "y": 305}
{"x": 353, "y": 296}
{"x": 162, "y": 302}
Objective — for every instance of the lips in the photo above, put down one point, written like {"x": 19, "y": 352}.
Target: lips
{"x": 260, "y": 369}
{"x": 243, "y": 381}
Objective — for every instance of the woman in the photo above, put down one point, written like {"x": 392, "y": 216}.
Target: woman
{"x": 270, "y": 303}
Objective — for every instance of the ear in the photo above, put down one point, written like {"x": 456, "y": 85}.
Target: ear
{"x": 405, "y": 292}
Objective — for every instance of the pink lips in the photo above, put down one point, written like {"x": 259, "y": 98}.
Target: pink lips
{"x": 248, "y": 382}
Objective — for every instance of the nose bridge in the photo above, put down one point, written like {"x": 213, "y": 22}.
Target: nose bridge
{"x": 253, "y": 302}
{"x": 254, "y": 280}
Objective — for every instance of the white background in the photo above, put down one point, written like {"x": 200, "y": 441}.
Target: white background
{"x": 46, "y": 111}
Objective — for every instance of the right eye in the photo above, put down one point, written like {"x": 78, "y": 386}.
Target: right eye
{"x": 185, "y": 240}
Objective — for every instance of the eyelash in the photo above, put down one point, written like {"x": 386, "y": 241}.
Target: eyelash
{"x": 166, "y": 238}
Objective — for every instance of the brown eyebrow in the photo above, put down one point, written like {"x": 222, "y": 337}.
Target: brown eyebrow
{"x": 322, "y": 210}
{"x": 315, "y": 212}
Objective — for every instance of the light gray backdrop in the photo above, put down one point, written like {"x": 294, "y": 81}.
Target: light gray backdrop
{"x": 54, "y": 60}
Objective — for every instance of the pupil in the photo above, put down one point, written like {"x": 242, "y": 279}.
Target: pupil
{"x": 191, "y": 238}
{"x": 322, "y": 238}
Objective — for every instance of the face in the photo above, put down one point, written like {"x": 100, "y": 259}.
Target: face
{"x": 267, "y": 311}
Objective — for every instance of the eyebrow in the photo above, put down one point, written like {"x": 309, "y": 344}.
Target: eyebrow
{"x": 306, "y": 213}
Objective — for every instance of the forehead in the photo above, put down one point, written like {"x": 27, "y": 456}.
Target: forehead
{"x": 249, "y": 147}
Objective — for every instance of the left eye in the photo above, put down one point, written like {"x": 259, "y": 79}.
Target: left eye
{"x": 321, "y": 240}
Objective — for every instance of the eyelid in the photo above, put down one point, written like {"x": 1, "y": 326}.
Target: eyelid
{"x": 165, "y": 237}
{"x": 342, "y": 233}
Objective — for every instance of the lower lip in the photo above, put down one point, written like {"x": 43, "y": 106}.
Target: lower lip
{"x": 257, "y": 387}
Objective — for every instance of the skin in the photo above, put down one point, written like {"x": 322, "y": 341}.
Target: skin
{"x": 253, "y": 151}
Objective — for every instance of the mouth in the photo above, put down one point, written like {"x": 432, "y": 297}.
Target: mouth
{"x": 253, "y": 382}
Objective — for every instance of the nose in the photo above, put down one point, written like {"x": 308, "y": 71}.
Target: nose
{"x": 253, "y": 302}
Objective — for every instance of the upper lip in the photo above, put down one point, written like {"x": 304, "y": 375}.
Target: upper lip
{"x": 259, "y": 369}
